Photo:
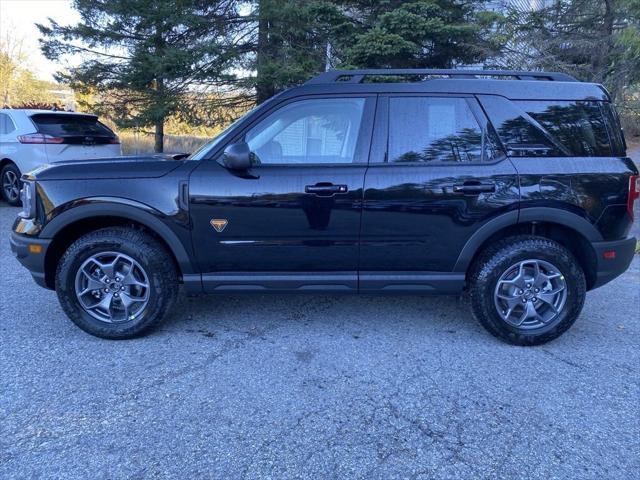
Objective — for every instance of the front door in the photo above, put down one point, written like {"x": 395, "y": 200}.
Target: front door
{"x": 437, "y": 174}
{"x": 292, "y": 222}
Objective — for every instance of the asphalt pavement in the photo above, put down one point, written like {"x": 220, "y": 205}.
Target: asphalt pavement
{"x": 316, "y": 387}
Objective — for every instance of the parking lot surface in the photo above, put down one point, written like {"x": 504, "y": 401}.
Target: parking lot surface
{"x": 316, "y": 387}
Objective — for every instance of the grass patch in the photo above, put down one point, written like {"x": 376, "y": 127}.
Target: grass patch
{"x": 134, "y": 144}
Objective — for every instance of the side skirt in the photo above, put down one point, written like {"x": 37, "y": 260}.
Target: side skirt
{"x": 326, "y": 282}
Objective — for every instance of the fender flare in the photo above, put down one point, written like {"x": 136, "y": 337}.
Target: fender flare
{"x": 541, "y": 214}
{"x": 127, "y": 209}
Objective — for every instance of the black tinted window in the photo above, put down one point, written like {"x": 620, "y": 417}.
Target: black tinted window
{"x": 578, "y": 126}
{"x": 6, "y": 124}
{"x": 519, "y": 136}
{"x": 618, "y": 146}
{"x": 60, "y": 125}
{"x": 430, "y": 129}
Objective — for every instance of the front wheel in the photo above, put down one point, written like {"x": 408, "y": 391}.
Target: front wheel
{"x": 116, "y": 283}
{"x": 527, "y": 290}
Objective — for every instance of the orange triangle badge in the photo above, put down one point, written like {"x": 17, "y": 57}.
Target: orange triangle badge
{"x": 219, "y": 224}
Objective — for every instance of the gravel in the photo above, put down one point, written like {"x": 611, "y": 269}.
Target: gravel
{"x": 316, "y": 387}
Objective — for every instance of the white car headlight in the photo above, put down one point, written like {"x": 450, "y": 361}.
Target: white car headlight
{"x": 28, "y": 199}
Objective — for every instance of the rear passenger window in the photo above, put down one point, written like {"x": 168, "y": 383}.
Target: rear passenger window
{"x": 6, "y": 124}
{"x": 431, "y": 129}
{"x": 578, "y": 126}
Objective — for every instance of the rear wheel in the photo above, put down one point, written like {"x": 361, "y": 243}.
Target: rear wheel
{"x": 11, "y": 184}
{"x": 116, "y": 282}
{"x": 527, "y": 290}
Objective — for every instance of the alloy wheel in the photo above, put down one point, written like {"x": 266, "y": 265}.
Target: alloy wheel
{"x": 11, "y": 185}
{"x": 112, "y": 287}
{"x": 531, "y": 294}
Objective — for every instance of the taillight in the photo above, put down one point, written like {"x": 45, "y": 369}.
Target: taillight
{"x": 634, "y": 193}
{"x": 39, "y": 138}
{"x": 114, "y": 141}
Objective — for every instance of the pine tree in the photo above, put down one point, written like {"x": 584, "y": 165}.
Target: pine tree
{"x": 144, "y": 55}
{"x": 594, "y": 40}
{"x": 294, "y": 40}
{"x": 418, "y": 33}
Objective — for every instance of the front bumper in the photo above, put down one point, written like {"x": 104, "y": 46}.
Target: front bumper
{"x": 610, "y": 265}
{"x": 34, "y": 262}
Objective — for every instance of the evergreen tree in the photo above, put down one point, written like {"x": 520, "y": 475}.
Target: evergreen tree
{"x": 144, "y": 55}
{"x": 594, "y": 40}
{"x": 294, "y": 40}
{"x": 290, "y": 42}
{"x": 418, "y": 33}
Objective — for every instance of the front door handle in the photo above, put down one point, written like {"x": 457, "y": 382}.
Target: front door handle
{"x": 474, "y": 188}
{"x": 325, "y": 189}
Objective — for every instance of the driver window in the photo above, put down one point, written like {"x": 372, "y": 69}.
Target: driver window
{"x": 309, "y": 132}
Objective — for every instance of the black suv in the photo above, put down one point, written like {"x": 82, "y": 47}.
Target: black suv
{"x": 513, "y": 186}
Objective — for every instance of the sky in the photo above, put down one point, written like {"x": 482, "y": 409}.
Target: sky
{"x": 17, "y": 20}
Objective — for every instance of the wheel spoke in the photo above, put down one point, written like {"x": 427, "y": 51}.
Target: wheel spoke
{"x": 108, "y": 268}
{"x": 510, "y": 300}
{"x": 130, "y": 280}
{"x": 92, "y": 282}
{"x": 529, "y": 312}
{"x": 135, "y": 298}
{"x": 549, "y": 298}
{"x": 105, "y": 304}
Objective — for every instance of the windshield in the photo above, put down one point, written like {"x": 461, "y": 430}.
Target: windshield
{"x": 202, "y": 152}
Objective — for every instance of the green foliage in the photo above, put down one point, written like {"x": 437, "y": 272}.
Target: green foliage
{"x": 594, "y": 40}
{"x": 419, "y": 33}
{"x": 289, "y": 42}
{"x": 294, "y": 40}
{"x": 140, "y": 57}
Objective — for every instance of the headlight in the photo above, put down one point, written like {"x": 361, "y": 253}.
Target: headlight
{"x": 28, "y": 199}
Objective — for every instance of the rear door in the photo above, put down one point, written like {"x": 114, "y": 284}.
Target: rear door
{"x": 436, "y": 176}
{"x": 293, "y": 221}
{"x": 75, "y": 136}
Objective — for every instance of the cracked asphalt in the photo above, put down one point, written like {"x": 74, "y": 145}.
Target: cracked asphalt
{"x": 316, "y": 387}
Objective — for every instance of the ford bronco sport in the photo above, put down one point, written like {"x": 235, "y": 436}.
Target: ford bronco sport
{"x": 513, "y": 186}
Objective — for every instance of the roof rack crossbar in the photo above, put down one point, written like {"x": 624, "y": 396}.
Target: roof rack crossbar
{"x": 357, "y": 76}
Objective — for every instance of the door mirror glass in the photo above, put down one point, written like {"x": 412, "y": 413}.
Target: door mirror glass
{"x": 237, "y": 156}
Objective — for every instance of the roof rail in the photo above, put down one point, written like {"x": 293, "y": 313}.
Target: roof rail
{"x": 358, "y": 76}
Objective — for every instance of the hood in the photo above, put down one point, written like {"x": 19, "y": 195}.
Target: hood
{"x": 138, "y": 166}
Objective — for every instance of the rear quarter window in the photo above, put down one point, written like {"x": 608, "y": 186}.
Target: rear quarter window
{"x": 63, "y": 125}
{"x": 618, "y": 144}
{"x": 579, "y": 126}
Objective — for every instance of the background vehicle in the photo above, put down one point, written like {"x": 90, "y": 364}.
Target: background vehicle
{"x": 31, "y": 138}
{"x": 516, "y": 190}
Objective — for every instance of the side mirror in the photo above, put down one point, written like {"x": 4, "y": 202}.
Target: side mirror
{"x": 237, "y": 156}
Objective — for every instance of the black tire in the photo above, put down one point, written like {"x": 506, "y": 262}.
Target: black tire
{"x": 9, "y": 172}
{"x": 497, "y": 259}
{"x": 144, "y": 249}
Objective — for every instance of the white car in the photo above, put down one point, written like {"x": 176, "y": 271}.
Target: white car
{"x": 30, "y": 138}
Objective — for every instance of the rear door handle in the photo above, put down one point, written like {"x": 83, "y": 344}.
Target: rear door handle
{"x": 475, "y": 188}
{"x": 325, "y": 189}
